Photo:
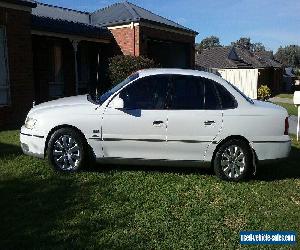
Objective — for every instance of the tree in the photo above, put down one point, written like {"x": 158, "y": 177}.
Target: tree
{"x": 121, "y": 66}
{"x": 257, "y": 47}
{"x": 245, "y": 42}
{"x": 208, "y": 42}
{"x": 289, "y": 56}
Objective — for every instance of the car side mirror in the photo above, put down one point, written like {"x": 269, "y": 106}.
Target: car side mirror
{"x": 117, "y": 103}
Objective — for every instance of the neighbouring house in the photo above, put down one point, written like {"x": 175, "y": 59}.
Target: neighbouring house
{"x": 244, "y": 69}
{"x": 289, "y": 79}
{"x": 48, "y": 52}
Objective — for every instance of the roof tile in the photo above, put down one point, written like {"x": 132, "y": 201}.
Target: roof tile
{"x": 115, "y": 14}
{"x": 233, "y": 57}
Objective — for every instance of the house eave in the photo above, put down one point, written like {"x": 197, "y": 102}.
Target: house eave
{"x": 174, "y": 29}
{"x": 15, "y": 6}
{"x": 150, "y": 24}
{"x": 22, "y": 3}
{"x": 62, "y": 28}
{"x": 69, "y": 36}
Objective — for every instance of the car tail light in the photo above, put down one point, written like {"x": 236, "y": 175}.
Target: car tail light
{"x": 286, "y": 126}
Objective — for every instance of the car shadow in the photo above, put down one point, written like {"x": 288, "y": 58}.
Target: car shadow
{"x": 8, "y": 150}
{"x": 278, "y": 170}
{"x": 32, "y": 208}
{"x": 103, "y": 168}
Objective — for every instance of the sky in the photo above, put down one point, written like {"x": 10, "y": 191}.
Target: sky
{"x": 273, "y": 22}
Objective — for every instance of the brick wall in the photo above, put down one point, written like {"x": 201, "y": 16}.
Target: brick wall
{"x": 125, "y": 37}
{"x": 17, "y": 23}
{"x": 133, "y": 40}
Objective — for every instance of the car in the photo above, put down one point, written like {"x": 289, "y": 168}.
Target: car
{"x": 160, "y": 117}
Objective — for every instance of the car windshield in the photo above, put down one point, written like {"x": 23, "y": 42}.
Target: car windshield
{"x": 108, "y": 93}
{"x": 243, "y": 94}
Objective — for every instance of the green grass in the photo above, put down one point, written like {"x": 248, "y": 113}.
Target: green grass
{"x": 288, "y": 96}
{"x": 291, "y": 109}
{"x": 140, "y": 207}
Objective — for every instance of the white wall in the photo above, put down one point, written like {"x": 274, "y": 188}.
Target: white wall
{"x": 243, "y": 79}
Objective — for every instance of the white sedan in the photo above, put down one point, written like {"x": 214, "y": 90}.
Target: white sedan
{"x": 160, "y": 116}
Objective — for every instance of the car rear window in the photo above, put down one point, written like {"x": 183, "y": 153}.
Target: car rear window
{"x": 227, "y": 100}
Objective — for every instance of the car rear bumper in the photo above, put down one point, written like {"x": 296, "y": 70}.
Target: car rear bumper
{"x": 32, "y": 144}
{"x": 272, "y": 150}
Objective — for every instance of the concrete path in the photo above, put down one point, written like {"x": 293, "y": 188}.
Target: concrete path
{"x": 283, "y": 100}
{"x": 293, "y": 124}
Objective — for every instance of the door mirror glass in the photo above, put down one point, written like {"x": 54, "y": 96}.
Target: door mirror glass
{"x": 117, "y": 103}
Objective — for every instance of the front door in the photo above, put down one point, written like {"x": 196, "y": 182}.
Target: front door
{"x": 139, "y": 130}
{"x": 194, "y": 118}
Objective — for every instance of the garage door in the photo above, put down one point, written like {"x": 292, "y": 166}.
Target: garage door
{"x": 169, "y": 54}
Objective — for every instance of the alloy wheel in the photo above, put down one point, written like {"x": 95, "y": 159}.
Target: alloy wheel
{"x": 66, "y": 153}
{"x": 233, "y": 161}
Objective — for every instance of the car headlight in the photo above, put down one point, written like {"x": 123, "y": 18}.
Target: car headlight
{"x": 30, "y": 123}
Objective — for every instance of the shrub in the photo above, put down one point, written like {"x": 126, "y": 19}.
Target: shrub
{"x": 121, "y": 66}
{"x": 263, "y": 92}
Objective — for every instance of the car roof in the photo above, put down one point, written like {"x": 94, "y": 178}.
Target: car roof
{"x": 172, "y": 71}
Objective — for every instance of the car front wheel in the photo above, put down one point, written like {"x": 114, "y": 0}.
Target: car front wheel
{"x": 233, "y": 161}
{"x": 66, "y": 150}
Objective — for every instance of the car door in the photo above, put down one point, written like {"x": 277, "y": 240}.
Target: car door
{"x": 139, "y": 129}
{"x": 194, "y": 118}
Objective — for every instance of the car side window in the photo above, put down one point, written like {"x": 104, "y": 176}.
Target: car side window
{"x": 186, "y": 93}
{"x": 227, "y": 100}
{"x": 146, "y": 93}
{"x": 211, "y": 100}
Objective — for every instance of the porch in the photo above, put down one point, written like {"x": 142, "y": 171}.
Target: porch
{"x": 66, "y": 66}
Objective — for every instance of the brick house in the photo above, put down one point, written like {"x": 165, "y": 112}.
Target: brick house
{"x": 48, "y": 52}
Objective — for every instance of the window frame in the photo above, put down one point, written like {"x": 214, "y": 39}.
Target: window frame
{"x": 168, "y": 76}
{"x": 205, "y": 80}
{"x": 6, "y": 59}
{"x": 219, "y": 95}
{"x": 83, "y": 55}
{"x": 200, "y": 79}
{"x": 52, "y": 81}
{"x": 171, "y": 91}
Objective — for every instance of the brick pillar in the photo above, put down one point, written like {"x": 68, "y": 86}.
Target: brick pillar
{"x": 127, "y": 39}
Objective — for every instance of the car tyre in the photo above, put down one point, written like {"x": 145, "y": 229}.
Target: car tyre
{"x": 233, "y": 161}
{"x": 67, "y": 150}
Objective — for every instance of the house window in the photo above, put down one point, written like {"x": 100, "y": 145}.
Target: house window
{"x": 4, "y": 82}
{"x": 56, "y": 83}
{"x": 83, "y": 70}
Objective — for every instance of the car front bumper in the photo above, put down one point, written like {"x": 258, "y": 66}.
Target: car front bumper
{"x": 31, "y": 143}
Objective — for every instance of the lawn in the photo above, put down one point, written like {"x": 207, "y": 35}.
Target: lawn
{"x": 291, "y": 109}
{"x": 139, "y": 207}
{"x": 288, "y": 96}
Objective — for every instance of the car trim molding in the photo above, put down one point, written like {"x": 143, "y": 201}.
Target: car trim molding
{"x": 150, "y": 160}
{"x": 271, "y": 141}
{"x": 148, "y": 140}
{"x": 38, "y": 136}
{"x": 189, "y": 141}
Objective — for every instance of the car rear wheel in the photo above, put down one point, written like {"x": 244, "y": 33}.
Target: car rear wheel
{"x": 233, "y": 161}
{"x": 66, "y": 150}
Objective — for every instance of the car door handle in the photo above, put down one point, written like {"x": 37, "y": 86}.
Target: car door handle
{"x": 209, "y": 122}
{"x": 157, "y": 123}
